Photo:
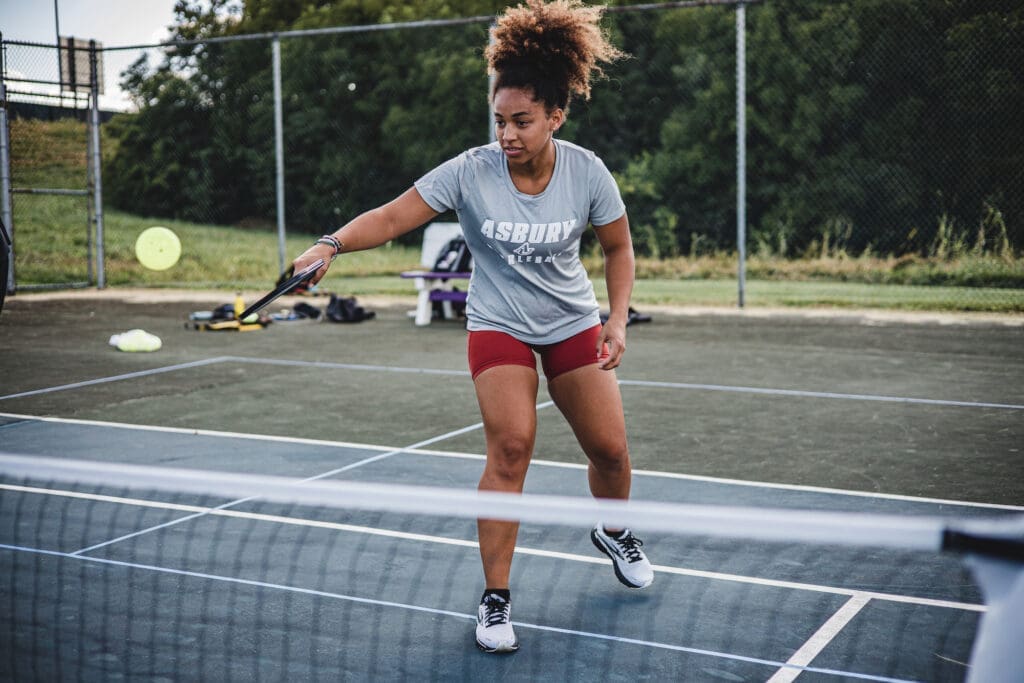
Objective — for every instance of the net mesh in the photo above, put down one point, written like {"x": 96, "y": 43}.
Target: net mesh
{"x": 157, "y": 574}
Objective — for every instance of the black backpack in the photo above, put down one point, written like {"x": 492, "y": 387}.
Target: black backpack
{"x": 345, "y": 310}
{"x": 454, "y": 258}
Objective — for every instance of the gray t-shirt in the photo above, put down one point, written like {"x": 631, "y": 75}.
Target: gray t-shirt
{"x": 527, "y": 279}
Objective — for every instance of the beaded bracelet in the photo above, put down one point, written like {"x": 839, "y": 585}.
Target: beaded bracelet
{"x": 331, "y": 241}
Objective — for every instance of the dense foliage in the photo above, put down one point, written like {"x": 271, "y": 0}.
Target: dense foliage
{"x": 882, "y": 125}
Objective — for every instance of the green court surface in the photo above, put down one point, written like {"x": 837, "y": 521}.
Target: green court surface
{"x": 913, "y": 405}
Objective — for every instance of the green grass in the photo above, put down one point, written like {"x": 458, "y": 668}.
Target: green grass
{"x": 966, "y": 269}
{"x": 213, "y": 257}
{"x": 50, "y": 154}
{"x": 761, "y": 293}
{"x": 224, "y": 258}
{"x": 806, "y": 294}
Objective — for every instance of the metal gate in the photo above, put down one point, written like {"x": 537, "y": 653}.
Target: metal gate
{"x": 49, "y": 163}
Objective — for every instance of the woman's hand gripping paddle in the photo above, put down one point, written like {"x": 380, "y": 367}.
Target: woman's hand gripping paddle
{"x": 283, "y": 288}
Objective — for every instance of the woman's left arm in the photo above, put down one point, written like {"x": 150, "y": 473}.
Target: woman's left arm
{"x": 619, "y": 265}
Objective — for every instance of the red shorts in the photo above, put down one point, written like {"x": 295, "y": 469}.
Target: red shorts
{"x": 488, "y": 349}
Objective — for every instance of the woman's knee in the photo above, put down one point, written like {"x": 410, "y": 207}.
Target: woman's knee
{"x": 609, "y": 457}
{"x": 508, "y": 458}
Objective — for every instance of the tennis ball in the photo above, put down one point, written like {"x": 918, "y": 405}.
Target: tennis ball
{"x": 251, "y": 318}
{"x": 157, "y": 248}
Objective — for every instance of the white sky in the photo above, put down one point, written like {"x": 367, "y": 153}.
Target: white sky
{"x": 110, "y": 22}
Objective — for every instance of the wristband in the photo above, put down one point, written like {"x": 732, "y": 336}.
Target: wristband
{"x": 331, "y": 241}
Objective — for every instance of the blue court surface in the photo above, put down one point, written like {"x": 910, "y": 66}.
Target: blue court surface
{"x": 394, "y": 595}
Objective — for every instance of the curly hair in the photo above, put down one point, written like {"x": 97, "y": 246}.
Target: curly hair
{"x": 551, "y": 48}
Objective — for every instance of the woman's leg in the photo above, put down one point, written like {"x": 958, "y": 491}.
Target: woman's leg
{"x": 508, "y": 403}
{"x": 589, "y": 399}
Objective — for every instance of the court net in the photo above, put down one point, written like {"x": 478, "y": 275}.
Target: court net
{"x": 131, "y": 572}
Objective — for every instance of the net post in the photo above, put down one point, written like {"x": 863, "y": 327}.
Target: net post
{"x": 6, "y": 212}
{"x": 741, "y": 153}
{"x": 95, "y": 162}
{"x": 996, "y": 656}
{"x": 278, "y": 150}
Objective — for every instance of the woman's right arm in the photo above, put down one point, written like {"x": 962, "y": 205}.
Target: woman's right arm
{"x": 371, "y": 229}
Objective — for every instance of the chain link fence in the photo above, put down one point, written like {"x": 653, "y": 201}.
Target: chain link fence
{"x": 882, "y": 143}
{"x": 50, "y": 185}
{"x": 887, "y": 128}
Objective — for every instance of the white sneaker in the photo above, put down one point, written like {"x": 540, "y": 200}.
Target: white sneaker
{"x": 494, "y": 625}
{"x": 630, "y": 564}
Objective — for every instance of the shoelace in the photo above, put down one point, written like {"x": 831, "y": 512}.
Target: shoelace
{"x": 496, "y": 611}
{"x": 630, "y": 545}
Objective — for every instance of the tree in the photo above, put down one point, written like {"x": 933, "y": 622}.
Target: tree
{"x": 870, "y": 123}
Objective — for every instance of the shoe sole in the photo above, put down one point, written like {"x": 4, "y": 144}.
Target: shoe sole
{"x": 615, "y": 565}
{"x": 498, "y": 650}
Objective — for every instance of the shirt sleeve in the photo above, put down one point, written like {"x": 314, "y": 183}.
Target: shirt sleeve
{"x": 606, "y": 203}
{"x": 441, "y": 188}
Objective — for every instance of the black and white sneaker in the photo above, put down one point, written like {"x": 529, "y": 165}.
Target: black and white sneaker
{"x": 494, "y": 625}
{"x": 631, "y": 565}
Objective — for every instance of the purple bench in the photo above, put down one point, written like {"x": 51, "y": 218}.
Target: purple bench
{"x": 434, "y": 286}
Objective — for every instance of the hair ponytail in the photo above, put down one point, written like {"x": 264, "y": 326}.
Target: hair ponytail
{"x": 553, "y": 48}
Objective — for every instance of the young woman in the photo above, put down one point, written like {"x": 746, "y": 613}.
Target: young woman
{"x": 523, "y": 203}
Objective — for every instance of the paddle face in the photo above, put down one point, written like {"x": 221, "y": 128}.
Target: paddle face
{"x": 157, "y": 248}
{"x": 283, "y": 288}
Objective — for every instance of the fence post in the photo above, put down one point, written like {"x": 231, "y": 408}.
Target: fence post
{"x": 279, "y": 151}
{"x": 491, "y": 78}
{"x": 95, "y": 162}
{"x": 6, "y": 212}
{"x": 741, "y": 152}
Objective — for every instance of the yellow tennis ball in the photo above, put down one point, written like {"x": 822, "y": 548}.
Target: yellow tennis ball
{"x": 157, "y": 248}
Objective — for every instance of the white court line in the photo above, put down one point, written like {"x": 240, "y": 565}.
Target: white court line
{"x": 346, "y": 366}
{"x": 819, "y": 394}
{"x": 238, "y": 359}
{"x": 239, "y": 501}
{"x": 117, "y": 378}
{"x": 222, "y": 511}
{"x": 643, "y": 383}
{"x": 658, "y": 474}
{"x": 199, "y": 432}
{"x": 830, "y": 491}
{"x": 535, "y": 461}
{"x": 446, "y": 613}
{"x": 464, "y": 373}
{"x": 820, "y": 640}
{"x": 316, "y": 477}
